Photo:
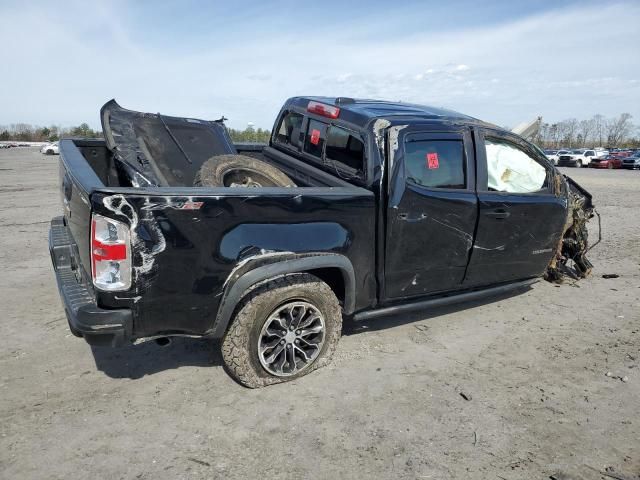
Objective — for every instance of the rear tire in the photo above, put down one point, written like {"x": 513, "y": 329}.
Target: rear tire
{"x": 239, "y": 171}
{"x": 260, "y": 332}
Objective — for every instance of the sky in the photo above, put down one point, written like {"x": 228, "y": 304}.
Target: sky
{"x": 503, "y": 62}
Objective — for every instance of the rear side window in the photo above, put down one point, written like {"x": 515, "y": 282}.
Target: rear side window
{"x": 288, "y": 132}
{"x": 345, "y": 149}
{"x": 435, "y": 163}
{"x": 315, "y": 138}
{"x": 512, "y": 170}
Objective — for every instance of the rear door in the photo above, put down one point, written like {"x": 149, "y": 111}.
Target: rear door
{"x": 431, "y": 210}
{"x": 521, "y": 217}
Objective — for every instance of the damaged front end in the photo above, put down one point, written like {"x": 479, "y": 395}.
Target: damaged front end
{"x": 570, "y": 259}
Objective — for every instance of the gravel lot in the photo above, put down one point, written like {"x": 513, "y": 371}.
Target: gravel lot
{"x": 534, "y": 366}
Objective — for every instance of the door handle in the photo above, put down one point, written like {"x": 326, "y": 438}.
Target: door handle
{"x": 405, "y": 217}
{"x": 498, "y": 213}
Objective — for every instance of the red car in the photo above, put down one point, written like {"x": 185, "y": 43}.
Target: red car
{"x": 610, "y": 161}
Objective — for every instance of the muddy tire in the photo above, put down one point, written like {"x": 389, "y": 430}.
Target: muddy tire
{"x": 282, "y": 330}
{"x": 239, "y": 171}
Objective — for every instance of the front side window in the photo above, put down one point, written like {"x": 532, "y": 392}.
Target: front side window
{"x": 345, "y": 149}
{"x": 315, "y": 138}
{"x": 512, "y": 170}
{"x": 435, "y": 163}
{"x": 288, "y": 132}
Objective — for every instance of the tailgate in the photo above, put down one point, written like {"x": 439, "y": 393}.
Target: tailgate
{"x": 77, "y": 180}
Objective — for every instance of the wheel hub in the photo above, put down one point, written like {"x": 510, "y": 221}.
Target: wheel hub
{"x": 291, "y": 338}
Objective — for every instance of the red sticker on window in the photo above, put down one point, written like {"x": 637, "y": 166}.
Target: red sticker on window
{"x": 432, "y": 161}
{"x": 315, "y": 137}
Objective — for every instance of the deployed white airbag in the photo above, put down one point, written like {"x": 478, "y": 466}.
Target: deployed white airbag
{"x": 511, "y": 170}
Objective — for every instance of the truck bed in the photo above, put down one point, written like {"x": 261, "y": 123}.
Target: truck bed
{"x": 190, "y": 242}
{"x": 101, "y": 161}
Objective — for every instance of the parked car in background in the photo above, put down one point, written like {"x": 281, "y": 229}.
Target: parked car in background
{"x": 553, "y": 157}
{"x": 610, "y": 161}
{"x": 632, "y": 162}
{"x": 50, "y": 149}
{"x": 580, "y": 157}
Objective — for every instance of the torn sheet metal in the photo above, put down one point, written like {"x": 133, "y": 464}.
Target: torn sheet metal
{"x": 570, "y": 259}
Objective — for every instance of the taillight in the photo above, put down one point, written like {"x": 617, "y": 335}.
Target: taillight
{"x": 318, "y": 108}
{"x": 110, "y": 254}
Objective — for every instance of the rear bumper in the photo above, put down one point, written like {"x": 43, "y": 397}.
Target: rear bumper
{"x": 96, "y": 325}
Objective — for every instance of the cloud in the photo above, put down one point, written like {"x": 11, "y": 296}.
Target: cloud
{"x": 65, "y": 63}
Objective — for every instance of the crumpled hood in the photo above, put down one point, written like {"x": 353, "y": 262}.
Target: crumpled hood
{"x": 159, "y": 150}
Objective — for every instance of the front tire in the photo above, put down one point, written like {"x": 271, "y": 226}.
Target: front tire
{"x": 282, "y": 330}
{"x": 579, "y": 164}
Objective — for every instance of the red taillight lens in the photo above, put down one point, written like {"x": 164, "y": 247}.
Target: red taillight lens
{"x": 110, "y": 254}
{"x": 318, "y": 108}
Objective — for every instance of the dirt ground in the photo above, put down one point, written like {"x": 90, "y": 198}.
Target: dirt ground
{"x": 534, "y": 367}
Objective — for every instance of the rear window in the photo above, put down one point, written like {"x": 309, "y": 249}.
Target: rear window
{"x": 288, "y": 132}
{"x": 315, "y": 138}
{"x": 435, "y": 163}
{"x": 345, "y": 149}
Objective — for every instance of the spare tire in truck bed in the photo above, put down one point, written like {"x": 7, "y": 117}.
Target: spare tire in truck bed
{"x": 239, "y": 171}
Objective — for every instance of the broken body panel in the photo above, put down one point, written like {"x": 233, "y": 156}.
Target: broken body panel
{"x": 378, "y": 240}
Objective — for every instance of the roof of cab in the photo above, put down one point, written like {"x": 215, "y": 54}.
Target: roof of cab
{"x": 362, "y": 111}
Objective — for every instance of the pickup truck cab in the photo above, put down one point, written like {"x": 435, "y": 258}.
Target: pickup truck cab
{"x": 395, "y": 207}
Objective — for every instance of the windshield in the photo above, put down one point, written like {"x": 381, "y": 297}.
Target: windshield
{"x": 579, "y": 152}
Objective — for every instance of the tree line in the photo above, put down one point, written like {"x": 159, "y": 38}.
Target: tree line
{"x": 28, "y": 133}
{"x": 25, "y": 132}
{"x": 596, "y": 131}
{"x": 249, "y": 134}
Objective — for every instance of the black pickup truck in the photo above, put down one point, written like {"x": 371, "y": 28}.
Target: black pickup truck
{"x": 355, "y": 208}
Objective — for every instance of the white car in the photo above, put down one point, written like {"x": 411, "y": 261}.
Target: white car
{"x": 553, "y": 155}
{"x": 50, "y": 149}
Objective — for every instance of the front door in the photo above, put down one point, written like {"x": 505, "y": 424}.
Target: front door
{"x": 431, "y": 211}
{"x": 521, "y": 216}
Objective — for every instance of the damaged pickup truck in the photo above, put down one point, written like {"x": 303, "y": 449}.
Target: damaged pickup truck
{"x": 355, "y": 208}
